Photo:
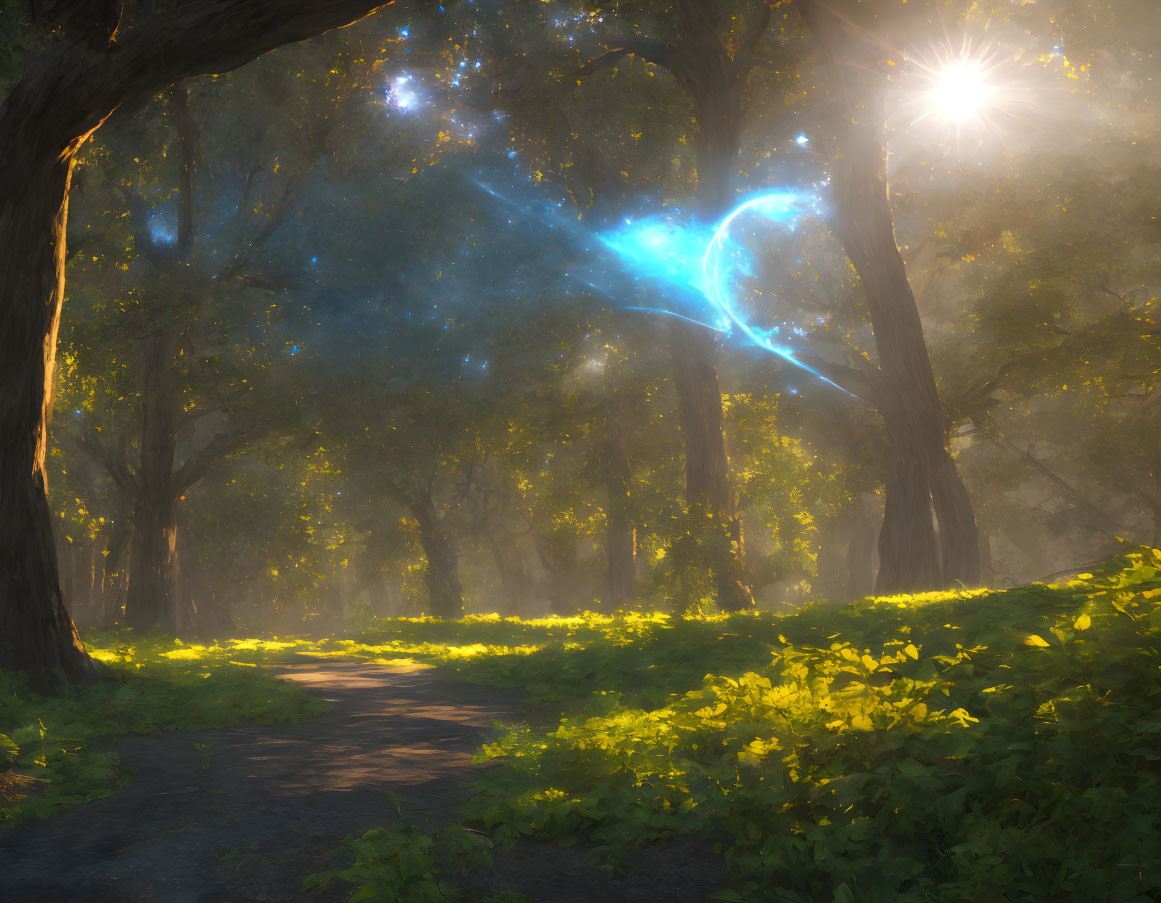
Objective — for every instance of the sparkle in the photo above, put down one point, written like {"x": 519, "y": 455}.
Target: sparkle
{"x": 402, "y": 94}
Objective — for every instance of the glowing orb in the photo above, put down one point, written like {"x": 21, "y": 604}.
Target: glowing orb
{"x": 401, "y": 94}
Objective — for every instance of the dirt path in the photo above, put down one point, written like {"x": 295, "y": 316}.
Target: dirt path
{"x": 261, "y": 806}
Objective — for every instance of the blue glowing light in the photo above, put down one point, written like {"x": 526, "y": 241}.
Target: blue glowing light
{"x": 706, "y": 264}
{"x": 314, "y": 260}
{"x": 708, "y": 271}
{"x": 802, "y": 140}
{"x": 401, "y": 94}
{"x": 161, "y": 232}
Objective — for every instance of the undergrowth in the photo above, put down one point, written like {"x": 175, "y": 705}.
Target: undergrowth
{"x": 946, "y": 747}
{"x": 409, "y": 865}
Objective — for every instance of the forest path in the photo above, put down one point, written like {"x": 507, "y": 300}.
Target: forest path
{"x": 244, "y": 814}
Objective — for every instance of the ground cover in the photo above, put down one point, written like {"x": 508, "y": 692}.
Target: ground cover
{"x": 952, "y": 747}
{"x": 943, "y": 747}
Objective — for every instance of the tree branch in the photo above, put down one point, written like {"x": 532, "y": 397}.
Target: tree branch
{"x": 757, "y": 22}
{"x": 1079, "y": 499}
{"x": 651, "y": 51}
{"x": 91, "y": 444}
{"x": 73, "y": 89}
{"x": 862, "y": 384}
{"x": 198, "y": 464}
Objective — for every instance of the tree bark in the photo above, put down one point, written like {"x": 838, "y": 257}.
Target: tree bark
{"x": 860, "y": 569}
{"x": 558, "y": 554}
{"x": 714, "y": 81}
{"x": 515, "y": 584}
{"x": 620, "y": 532}
{"x": 920, "y": 471}
{"x": 36, "y": 633}
{"x": 442, "y": 576}
{"x": 63, "y": 97}
{"x": 152, "y": 595}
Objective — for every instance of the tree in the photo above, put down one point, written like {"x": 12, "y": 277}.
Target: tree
{"x": 62, "y": 98}
{"x": 920, "y": 471}
{"x": 199, "y": 376}
{"x": 714, "y": 76}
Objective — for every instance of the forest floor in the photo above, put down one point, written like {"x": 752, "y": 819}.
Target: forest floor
{"x": 246, "y": 813}
{"x": 936, "y": 748}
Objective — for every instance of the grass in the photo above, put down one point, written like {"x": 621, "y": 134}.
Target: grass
{"x": 948, "y": 747}
{"x": 46, "y": 756}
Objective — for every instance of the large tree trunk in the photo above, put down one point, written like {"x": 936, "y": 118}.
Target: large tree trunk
{"x": 920, "y": 471}
{"x": 36, "y": 633}
{"x": 714, "y": 82}
{"x": 442, "y": 576}
{"x": 620, "y": 532}
{"x": 48, "y": 116}
{"x": 152, "y": 596}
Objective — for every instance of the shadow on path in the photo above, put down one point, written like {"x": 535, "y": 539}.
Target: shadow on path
{"x": 260, "y": 807}
{"x": 271, "y": 801}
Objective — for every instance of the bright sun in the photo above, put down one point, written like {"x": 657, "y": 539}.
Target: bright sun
{"x": 960, "y": 91}
{"x": 963, "y": 92}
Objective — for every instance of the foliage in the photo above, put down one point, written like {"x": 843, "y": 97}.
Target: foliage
{"x": 151, "y": 684}
{"x": 940, "y": 747}
{"x": 410, "y": 865}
